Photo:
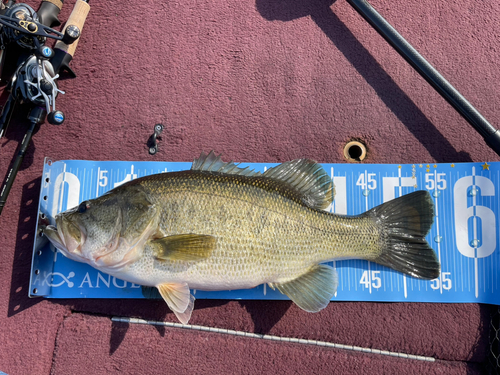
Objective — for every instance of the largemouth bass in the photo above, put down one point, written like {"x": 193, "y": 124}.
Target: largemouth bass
{"x": 221, "y": 227}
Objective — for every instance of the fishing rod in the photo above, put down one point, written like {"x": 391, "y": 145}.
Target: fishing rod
{"x": 24, "y": 32}
{"x": 490, "y": 134}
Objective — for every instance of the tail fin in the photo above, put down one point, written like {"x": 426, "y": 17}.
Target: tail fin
{"x": 406, "y": 222}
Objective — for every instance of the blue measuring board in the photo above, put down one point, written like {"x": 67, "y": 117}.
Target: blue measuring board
{"x": 464, "y": 235}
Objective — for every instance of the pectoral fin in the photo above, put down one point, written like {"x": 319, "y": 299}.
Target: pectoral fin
{"x": 313, "y": 290}
{"x": 186, "y": 247}
{"x": 179, "y": 300}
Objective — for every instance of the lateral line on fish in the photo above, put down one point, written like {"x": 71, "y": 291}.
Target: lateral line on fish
{"x": 272, "y": 338}
{"x": 320, "y": 212}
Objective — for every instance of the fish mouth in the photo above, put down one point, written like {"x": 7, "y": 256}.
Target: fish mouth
{"x": 52, "y": 234}
{"x": 66, "y": 237}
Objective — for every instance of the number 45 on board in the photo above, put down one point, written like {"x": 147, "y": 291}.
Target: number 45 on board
{"x": 374, "y": 280}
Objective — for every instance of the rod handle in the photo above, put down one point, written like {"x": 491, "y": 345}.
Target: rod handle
{"x": 76, "y": 18}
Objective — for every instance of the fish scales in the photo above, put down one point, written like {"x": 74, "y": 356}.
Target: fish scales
{"x": 221, "y": 227}
{"x": 261, "y": 235}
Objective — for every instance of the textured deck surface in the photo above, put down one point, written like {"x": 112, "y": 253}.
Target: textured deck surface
{"x": 260, "y": 81}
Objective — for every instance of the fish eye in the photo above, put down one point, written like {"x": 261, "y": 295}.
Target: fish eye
{"x": 83, "y": 207}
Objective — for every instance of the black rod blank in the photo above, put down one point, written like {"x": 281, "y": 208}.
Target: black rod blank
{"x": 490, "y": 134}
{"x": 7, "y": 185}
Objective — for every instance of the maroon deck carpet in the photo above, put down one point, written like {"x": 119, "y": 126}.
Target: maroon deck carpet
{"x": 259, "y": 81}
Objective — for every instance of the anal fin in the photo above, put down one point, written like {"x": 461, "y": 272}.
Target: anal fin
{"x": 313, "y": 290}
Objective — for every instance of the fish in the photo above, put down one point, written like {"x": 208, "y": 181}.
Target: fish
{"x": 219, "y": 226}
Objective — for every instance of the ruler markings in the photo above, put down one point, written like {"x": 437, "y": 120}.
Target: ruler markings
{"x": 463, "y": 274}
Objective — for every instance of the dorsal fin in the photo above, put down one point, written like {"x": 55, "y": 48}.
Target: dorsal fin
{"x": 213, "y": 163}
{"x": 308, "y": 178}
{"x": 304, "y": 176}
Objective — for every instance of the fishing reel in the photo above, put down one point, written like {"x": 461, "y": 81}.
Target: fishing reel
{"x": 35, "y": 78}
{"x": 21, "y": 25}
{"x": 33, "y": 81}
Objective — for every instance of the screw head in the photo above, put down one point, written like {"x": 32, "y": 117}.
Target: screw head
{"x": 46, "y": 52}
